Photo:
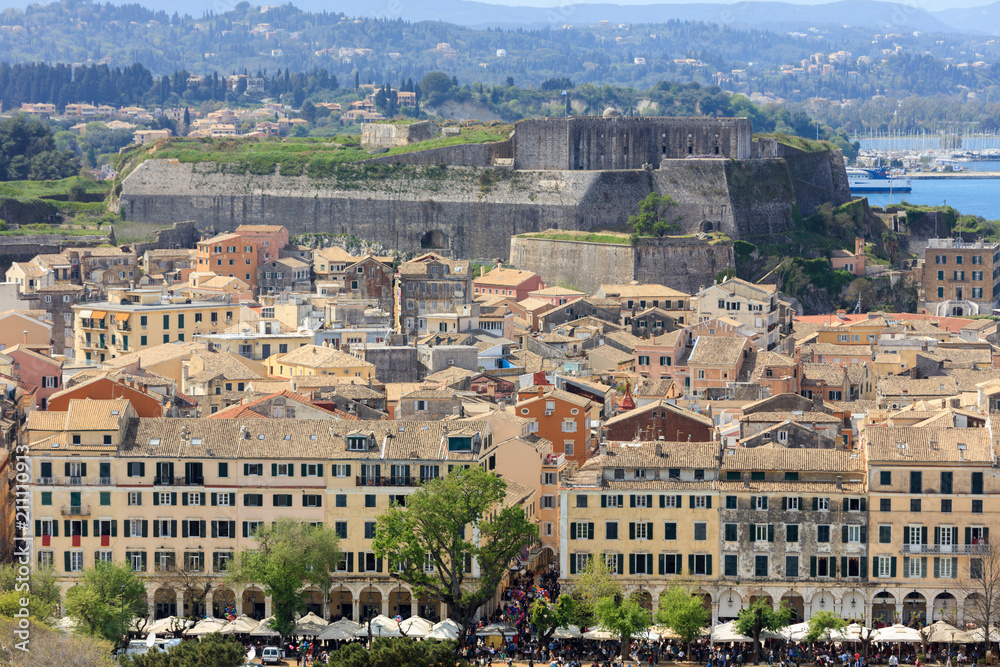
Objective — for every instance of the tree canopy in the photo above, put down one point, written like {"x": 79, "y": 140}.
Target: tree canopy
{"x": 683, "y": 612}
{"x": 28, "y": 152}
{"x": 655, "y": 216}
{"x": 547, "y": 616}
{"x": 107, "y": 599}
{"x": 213, "y": 650}
{"x": 624, "y": 616}
{"x": 760, "y": 616}
{"x": 395, "y": 652}
{"x": 821, "y": 623}
{"x": 290, "y": 556}
{"x": 447, "y": 525}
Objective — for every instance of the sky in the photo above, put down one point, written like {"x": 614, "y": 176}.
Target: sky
{"x": 927, "y": 5}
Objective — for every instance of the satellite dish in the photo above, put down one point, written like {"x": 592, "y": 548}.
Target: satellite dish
{"x": 252, "y": 654}
{"x": 151, "y": 639}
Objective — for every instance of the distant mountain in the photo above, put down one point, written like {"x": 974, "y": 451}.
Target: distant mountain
{"x": 985, "y": 19}
{"x": 896, "y": 17}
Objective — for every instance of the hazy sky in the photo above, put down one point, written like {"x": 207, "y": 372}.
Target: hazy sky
{"x": 928, "y": 5}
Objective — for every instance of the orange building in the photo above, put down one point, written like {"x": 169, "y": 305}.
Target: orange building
{"x": 106, "y": 389}
{"x": 270, "y": 239}
{"x": 230, "y": 255}
{"x": 560, "y": 417}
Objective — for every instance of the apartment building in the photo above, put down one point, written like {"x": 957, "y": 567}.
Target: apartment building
{"x": 183, "y": 495}
{"x": 756, "y": 307}
{"x": 960, "y": 277}
{"x": 319, "y": 360}
{"x": 650, "y": 511}
{"x": 107, "y": 330}
{"x": 563, "y": 418}
{"x": 508, "y": 282}
{"x": 270, "y": 239}
{"x": 933, "y": 496}
{"x": 432, "y": 287}
{"x": 230, "y": 255}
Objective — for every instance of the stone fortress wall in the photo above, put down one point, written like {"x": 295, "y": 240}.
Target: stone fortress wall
{"x": 568, "y": 173}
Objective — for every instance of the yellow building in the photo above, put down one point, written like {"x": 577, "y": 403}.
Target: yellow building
{"x": 319, "y": 360}
{"x": 107, "y": 330}
{"x": 176, "y": 498}
{"x": 933, "y": 496}
{"x": 258, "y": 340}
{"x": 651, "y": 511}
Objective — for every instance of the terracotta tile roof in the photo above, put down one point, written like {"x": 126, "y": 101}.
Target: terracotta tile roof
{"x": 335, "y": 254}
{"x": 505, "y": 277}
{"x": 897, "y": 444}
{"x": 717, "y": 351}
{"x": 221, "y": 365}
{"x": 157, "y": 354}
{"x": 954, "y": 382}
{"x": 431, "y": 395}
{"x": 831, "y": 374}
{"x": 810, "y": 417}
{"x": 642, "y": 290}
{"x": 83, "y": 414}
{"x": 612, "y": 354}
{"x": 559, "y": 394}
{"x": 659, "y": 405}
{"x": 316, "y": 356}
{"x": 833, "y": 350}
{"x": 803, "y": 486}
{"x": 699, "y": 455}
{"x": 776, "y": 458}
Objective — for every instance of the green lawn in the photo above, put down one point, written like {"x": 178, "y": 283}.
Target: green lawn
{"x": 49, "y": 188}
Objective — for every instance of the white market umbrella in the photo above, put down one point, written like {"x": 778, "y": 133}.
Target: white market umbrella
{"x": 599, "y": 634}
{"x": 168, "y": 624}
{"x": 648, "y": 635}
{"x": 310, "y": 625}
{"x": 569, "y": 632}
{"x": 945, "y": 633}
{"x": 335, "y": 632}
{"x": 898, "y": 634}
{"x": 415, "y": 627}
{"x": 347, "y": 624}
{"x": 240, "y": 625}
{"x": 264, "y": 629}
{"x": 853, "y": 633}
{"x": 445, "y": 630}
{"x": 205, "y": 626}
{"x": 496, "y": 630}
{"x": 381, "y": 626}
{"x": 726, "y": 632}
{"x": 795, "y": 632}
{"x": 976, "y": 634}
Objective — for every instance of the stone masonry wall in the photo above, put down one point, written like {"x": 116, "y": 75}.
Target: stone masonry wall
{"x": 388, "y": 135}
{"x": 685, "y": 264}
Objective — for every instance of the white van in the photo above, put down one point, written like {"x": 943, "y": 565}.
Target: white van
{"x": 272, "y": 655}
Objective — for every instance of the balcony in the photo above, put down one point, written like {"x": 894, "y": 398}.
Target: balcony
{"x": 981, "y": 549}
{"x": 171, "y": 480}
{"x": 76, "y": 510}
{"x": 390, "y": 481}
{"x": 554, "y": 461}
{"x": 75, "y": 481}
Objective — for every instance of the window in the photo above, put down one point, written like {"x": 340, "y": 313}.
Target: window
{"x": 282, "y": 469}
{"x": 823, "y": 534}
{"x": 731, "y": 502}
{"x": 640, "y": 501}
{"x": 885, "y": 534}
{"x": 760, "y": 532}
{"x": 760, "y": 566}
{"x": 977, "y": 506}
{"x": 914, "y": 569}
{"x": 548, "y": 478}
{"x": 194, "y": 498}
{"x": 369, "y": 530}
{"x": 340, "y": 470}
{"x": 581, "y": 500}
{"x": 340, "y": 528}
{"x": 670, "y": 501}
{"x": 943, "y": 568}
{"x": 823, "y": 504}
{"x": 253, "y": 469}
{"x": 702, "y": 564}
{"x": 853, "y": 534}
{"x": 975, "y": 568}
{"x": 641, "y": 532}
{"x": 135, "y": 497}
{"x": 759, "y": 502}
{"x": 884, "y": 564}
{"x": 977, "y": 483}
{"x": 885, "y": 478}
{"x": 791, "y": 533}
{"x": 548, "y": 501}
{"x": 793, "y": 503}
{"x": 311, "y": 500}
{"x": 729, "y": 563}
{"x": 885, "y": 505}
{"x": 611, "y": 530}
{"x": 253, "y": 500}
{"x": 700, "y": 531}
{"x": 611, "y": 501}
{"x": 700, "y": 502}
{"x": 914, "y": 504}
{"x": 916, "y": 482}
{"x": 282, "y": 500}
{"x": 730, "y": 532}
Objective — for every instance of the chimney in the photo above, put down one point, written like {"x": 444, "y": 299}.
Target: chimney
{"x": 840, "y": 482}
{"x": 659, "y": 450}
{"x": 746, "y": 480}
{"x": 25, "y": 337}
{"x": 604, "y": 449}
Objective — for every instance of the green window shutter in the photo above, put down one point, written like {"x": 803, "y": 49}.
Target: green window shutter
{"x": 156, "y": 498}
{"x": 184, "y": 529}
{"x": 844, "y": 504}
{"x": 66, "y": 558}
{"x": 770, "y": 532}
{"x": 892, "y": 566}
{"x": 215, "y": 499}
{"x": 303, "y": 470}
{"x": 246, "y": 468}
{"x": 232, "y": 529}
{"x": 173, "y": 498}
{"x": 937, "y": 567}
{"x": 843, "y": 534}
{"x": 663, "y": 560}
{"x": 83, "y": 528}
{"x": 954, "y": 567}
{"x": 678, "y": 502}
{"x": 649, "y": 530}
{"x": 246, "y": 530}
{"x": 753, "y": 502}
{"x": 291, "y": 470}
{"x": 138, "y": 498}
{"x": 663, "y": 501}
{"x": 923, "y": 567}
{"x": 833, "y": 566}
{"x": 145, "y": 528}
{"x": 708, "y": 565}
{"x": 691, "y": 502}
{"x": 708, "y": 502}
{"x": 223, "y": 469}
{"x": 173, "y": 527}
{"x": 937, "y": 537}
{"x": 631, "y": 530}
{"x": 590, "y": 530}
{"x": 621, "y": 566}
{"x": 815, "y": 505}
{"x": 114, "y": 528}
{"x": 572, "y": 564}
{"x": 864, "y": 567}
{"x": 843, "y": 566}
{"x": 670, "y": 531}
{"x": 812, "y": 566}
{"x": 572, "y": 530}
{"x": 232, "y": 499}
{"x": 156, "y": 529}
{"x": 274, "y": 470}
{"x": 202, "y": 498}
{"x": 631, "y": 500}
{"x": 38, "y": 527}
{"x": 923, "y": 534}
{"x": 677, "y": 564}
{"x": 128, "y": 528}
{"x": 105, "y": 497}
{"x": 184, "y": 499}
{"x": 604, "y": 501}
{"x": 906, "y": 566}
{"x": 319, "y": 469}
{"x": 784, "y": 503}
{"x": 690, "y": 563}
{"x": 631, "y": 563}
{"x": 864, "y": 505}
{"x": 649, "y": 500}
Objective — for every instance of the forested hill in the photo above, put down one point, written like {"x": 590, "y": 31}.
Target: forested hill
{"x": 743, "y": 59}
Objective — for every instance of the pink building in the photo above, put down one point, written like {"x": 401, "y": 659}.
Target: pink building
{"x": 852, "y": 262}
{"x": 269, "y": 238}
{"x": 557, "y": 296}
{"x": 37, "y": 369}
{"x": 508, "y": 282}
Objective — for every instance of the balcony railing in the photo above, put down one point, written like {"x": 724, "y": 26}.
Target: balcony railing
{"x": 980, "y": 549}
{"x": 391, "y": 481}
{"x": 75, "y": 481}
{"x": 173, "y": 480}
{"x": 76, "y": 510}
